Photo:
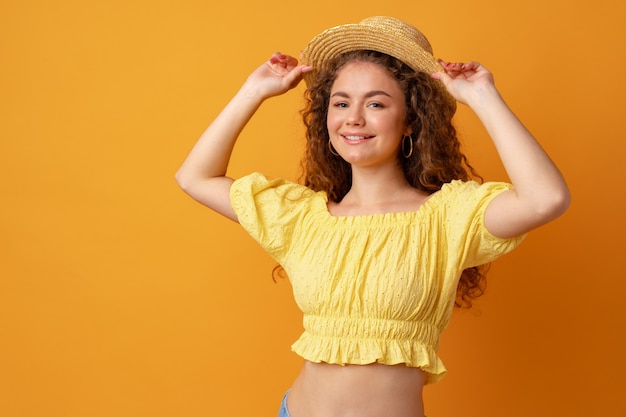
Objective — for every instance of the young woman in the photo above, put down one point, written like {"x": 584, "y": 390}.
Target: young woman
{"x": 387, "y": 232}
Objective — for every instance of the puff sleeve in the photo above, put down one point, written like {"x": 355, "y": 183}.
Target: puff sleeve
{"x": 465, "y": 220}
{"x": 269, "y": 210}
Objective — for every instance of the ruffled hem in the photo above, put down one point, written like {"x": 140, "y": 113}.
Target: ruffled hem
{"x": 365, "y": 351}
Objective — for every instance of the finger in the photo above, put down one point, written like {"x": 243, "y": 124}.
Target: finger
{"x": 471, "y": 66}
{"x": 441, "y": 76}
{"x": 295, "y": 75}
{"x": 289, "y": 60}
{"x": 450, "y": 65}
{"x": 451, "y": 68}
{"x": 445, "y": 65}
{"x": 283, "y": 59}
{"x": 275, "y": 58}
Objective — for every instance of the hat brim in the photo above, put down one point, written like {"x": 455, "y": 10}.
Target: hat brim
{"x": 352, "y": 37}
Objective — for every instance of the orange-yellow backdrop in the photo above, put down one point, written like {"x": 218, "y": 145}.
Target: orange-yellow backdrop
{"x": 119, "y": 296}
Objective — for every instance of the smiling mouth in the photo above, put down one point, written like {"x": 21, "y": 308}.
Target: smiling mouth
{"x": 356, "y": 138}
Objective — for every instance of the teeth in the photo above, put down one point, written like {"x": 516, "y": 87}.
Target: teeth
{"x": 355, "y": 137}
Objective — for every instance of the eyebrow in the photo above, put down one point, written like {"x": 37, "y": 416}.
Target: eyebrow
{"x": 367, "y": 95}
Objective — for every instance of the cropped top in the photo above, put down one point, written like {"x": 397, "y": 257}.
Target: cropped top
{"x": 372, "y": 288}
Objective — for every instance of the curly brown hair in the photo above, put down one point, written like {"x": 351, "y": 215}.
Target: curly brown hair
{"x": 437, "y": 159}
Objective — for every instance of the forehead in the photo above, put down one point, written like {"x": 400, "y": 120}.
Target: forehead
{"x": 364, "y": 75}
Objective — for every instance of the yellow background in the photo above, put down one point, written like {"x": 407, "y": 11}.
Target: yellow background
{"x": 119, "y": 296}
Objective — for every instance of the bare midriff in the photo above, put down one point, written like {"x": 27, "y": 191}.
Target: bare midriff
{"x": 374, "y": 390}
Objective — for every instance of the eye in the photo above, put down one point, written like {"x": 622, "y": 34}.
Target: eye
{"x": 376, "y": 105}
{"x": 341, "y": 105}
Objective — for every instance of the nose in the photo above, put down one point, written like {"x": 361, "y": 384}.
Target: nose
{"x": 355, "y": 117}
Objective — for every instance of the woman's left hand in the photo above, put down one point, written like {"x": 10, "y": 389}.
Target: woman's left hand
{"x": 463, "y": 80}
{"x": 540, "y": 194}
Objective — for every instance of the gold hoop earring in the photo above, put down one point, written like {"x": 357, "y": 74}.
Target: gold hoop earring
{"x": 404, "y": 146}
{"x": 332, "y": 150}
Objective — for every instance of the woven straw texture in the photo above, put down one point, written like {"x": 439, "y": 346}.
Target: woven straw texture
{"x": 380, "y": 33}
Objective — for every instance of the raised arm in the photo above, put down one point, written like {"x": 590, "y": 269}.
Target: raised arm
{"x": 203, "y": 173}
{"x": 540, "y": 194}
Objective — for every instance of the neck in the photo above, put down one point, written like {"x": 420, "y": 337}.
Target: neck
{"x": 374, "y": 186}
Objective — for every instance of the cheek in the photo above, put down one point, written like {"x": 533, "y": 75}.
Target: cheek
{"x": 387, "y": 123}
{"x": 332, "y": 121}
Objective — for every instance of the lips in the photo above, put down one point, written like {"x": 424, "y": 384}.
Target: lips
{"x": 355, "y": 138}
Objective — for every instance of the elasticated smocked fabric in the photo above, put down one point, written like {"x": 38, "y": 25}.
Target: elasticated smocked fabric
{"x": 373, "y": 288}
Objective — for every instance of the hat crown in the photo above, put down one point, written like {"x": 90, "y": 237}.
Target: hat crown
{"x": 397, "y": 27}
{"x": 388, "y": 35}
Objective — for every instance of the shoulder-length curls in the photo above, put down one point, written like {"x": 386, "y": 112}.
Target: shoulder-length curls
{"x": 437, "y": 158}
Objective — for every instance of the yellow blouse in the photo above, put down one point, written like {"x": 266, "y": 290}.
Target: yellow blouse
{"x": 375, "y": 288}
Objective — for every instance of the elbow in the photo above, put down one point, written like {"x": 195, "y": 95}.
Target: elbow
{"x": 183, "y": 180}
{"x": 554, "y": 205}
{"x": 561, "y": 200}
{"x": 180, "y": 179}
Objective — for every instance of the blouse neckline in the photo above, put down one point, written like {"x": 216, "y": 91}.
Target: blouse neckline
{"x": 394, "y": 216}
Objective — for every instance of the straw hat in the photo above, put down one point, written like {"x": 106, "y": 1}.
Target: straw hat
{"x": 388, "y": 35}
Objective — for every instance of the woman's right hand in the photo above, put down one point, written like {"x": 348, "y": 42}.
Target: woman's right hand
{"x": 276, "y": 76}
{"x": 203, "y": 174}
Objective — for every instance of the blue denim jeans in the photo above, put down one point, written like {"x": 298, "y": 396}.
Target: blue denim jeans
{"x": 283, "y": 412}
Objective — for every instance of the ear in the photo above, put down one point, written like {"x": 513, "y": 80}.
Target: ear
{"x": 408, "y": 131}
